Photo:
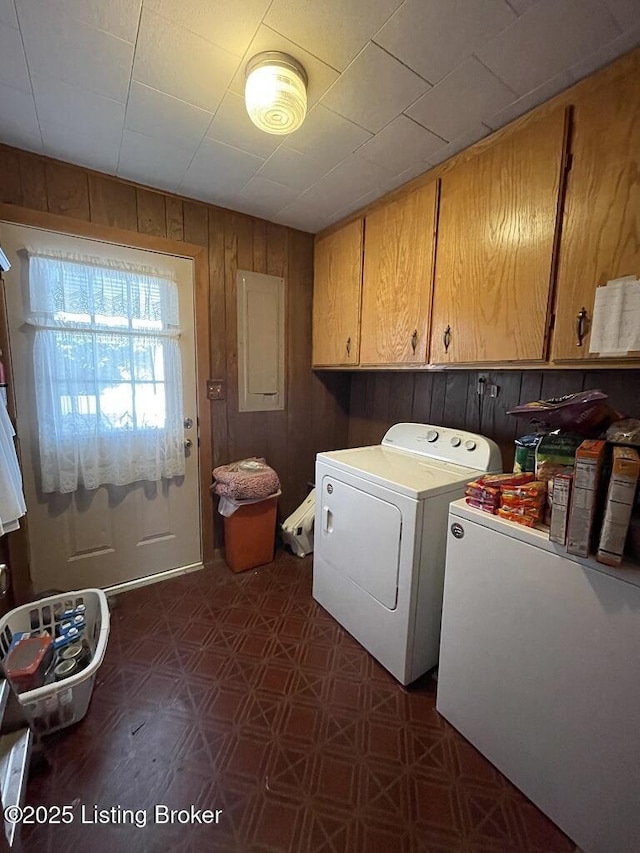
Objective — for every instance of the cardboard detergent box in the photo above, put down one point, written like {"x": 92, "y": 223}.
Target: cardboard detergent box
{"x": 586, "y": 478}
{"x": 625, "y": 471}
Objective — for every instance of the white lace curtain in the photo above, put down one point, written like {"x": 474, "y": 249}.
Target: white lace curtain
{"x": 107, "y": 371}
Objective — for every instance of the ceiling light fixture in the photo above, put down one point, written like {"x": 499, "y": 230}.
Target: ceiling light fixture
{"x": 275, "y": 92}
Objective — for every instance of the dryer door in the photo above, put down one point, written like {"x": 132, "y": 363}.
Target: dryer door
{"x": 360, "y": 537}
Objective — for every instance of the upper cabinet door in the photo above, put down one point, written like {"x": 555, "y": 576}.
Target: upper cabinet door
{"x": 398, "y": 266}
{"x": 496, "y": 236}
{"x": 601, "y": 229}
{"x": 336, "y": 296}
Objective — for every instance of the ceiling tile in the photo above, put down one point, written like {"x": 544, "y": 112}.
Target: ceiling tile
{"x": 18, "y": 113}
{"x": 13, "y": 66}
{"x": 407, "y": 175}
{"x": 85, "y": 149}
{"x": 293, "y": 169}
{"x": 433, "y": 37}
{"x": 471, "y": 135}
{"x": 549, "y": 38}
{"x": 118, "y": 17}
{"x": 327, "y": 137}
{"x": 219, "y": 170}
{"x": 182, "y": 64}
{"x": 153, "y": 161}
{"x": 262, "y": 197}
{"x": 8, "y": 13}
{"x": 468, "y": 95}
{"x": 527, "y": 102}
{"x": 100, "y": 61}
{"x": 401, "y": 145}
{"x": 607, "y": 53}
{"x": 374, "y": 89}
{"x": 334, "y": 30}
{"x": 78, "y": 109}
{"x": 229, "y": 25}
{"x": 626, "y": 12}
{"x": 303, "y": 217}
{"x": 320, "y": 75}
{"x": 162, "y": 117}
{"x": 521, "y": 6}
{"x": 232, "y": 125}
{"x": 350, "y": 179}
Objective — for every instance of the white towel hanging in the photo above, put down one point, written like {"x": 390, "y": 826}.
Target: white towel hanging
{"x": 12, "y": 505}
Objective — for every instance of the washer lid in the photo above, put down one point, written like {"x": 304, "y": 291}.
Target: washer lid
{"x": 408, "y": 473}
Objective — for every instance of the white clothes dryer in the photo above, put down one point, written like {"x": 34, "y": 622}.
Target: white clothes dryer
{"x": 380, "y": 537}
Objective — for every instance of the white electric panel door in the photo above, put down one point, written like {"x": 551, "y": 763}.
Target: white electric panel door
{"x": 261, "y": 332}
{"x": 360, "y": 538}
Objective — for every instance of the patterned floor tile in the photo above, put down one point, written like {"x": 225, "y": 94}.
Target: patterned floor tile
{"x": 237, "y": 692}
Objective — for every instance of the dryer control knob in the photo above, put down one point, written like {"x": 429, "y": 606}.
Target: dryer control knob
{"x": 432, "y": 435}
{"x": 455, "y": 441}
{"x": 470, "y": 445}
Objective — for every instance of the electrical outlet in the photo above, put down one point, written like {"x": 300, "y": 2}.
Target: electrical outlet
{"x": 481, "y": 388}
{"x": 215, "y": 389}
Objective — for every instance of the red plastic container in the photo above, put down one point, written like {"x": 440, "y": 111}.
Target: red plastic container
{"x": 28, "y": 661}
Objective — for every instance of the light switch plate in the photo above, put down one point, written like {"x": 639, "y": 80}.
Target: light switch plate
{"x": 215, "y": 389}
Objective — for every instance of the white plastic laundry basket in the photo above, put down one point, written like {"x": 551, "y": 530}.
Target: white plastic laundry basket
{"x": 62, "y": 703}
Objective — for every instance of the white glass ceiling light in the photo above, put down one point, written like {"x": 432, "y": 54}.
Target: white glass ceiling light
{"x": 276, "y": 92}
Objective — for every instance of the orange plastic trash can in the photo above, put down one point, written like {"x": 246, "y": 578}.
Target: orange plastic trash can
{"x": 249, "y": 535}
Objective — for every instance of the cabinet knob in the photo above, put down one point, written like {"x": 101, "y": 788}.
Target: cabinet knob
{"x": 348, "y": 346}
{"x": 582, "y": 319}
{"x": 414, "y": 340}
{"x": 446, "y": 338}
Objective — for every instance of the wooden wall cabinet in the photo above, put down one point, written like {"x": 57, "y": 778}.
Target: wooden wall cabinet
{"x": 396, "y": 291}
{"x": 337, "y": 284}
{"x": 496, "y": 238}
{"x": 601, "y": 229}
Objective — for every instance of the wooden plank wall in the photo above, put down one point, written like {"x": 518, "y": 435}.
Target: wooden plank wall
{"x": 379, "y": 400}
{"x": 316, "y": 413}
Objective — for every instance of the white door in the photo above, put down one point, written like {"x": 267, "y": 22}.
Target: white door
{"x": 110, "y": 534}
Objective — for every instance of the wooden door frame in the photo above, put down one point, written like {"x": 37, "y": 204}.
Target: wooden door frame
{"x": 200, "y": 256}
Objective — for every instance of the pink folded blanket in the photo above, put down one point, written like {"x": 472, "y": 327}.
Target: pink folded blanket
{"x": 248, "y": 479}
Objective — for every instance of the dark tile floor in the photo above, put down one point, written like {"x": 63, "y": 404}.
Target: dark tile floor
{"x": 239, "y": 693}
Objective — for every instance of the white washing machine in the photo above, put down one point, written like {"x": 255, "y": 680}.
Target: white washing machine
{"x": 381, "y": 529}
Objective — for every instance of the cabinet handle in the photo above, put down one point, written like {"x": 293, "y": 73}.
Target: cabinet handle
{"x": 414, "y": 340}
{"x": 348, "y": 346}
{"x": 581, "y": 325}
{"x": 446, "y": 338}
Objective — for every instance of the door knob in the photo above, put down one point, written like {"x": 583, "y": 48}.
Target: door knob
{"x": 188, "y": 444}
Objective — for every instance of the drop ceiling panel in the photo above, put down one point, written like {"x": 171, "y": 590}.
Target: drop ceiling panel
{"x": 61, "y": 46}
{"x": 95, "y": 152}
{"x": 8, "y": 13}
{"x": 13, "y": 65}
{"x": 327, "y": 136}
{"x": 180, "y": 63}
{"x": 335, "y": 30}
{"x": 152, "y": 90}
{"x": 222, "y": 168}
{"x": 118, "y": 17}
{"x": 320, "y": 75}
{"x": 401, "y": 144}
{"x": 293, "y": 169}
{"x": 230, "y": 25}
{"x": 551, "y": 37}
{"x": 165, "y": 118}
{"x": 374, "y": 89}
{"x": 433, "y": 37}
{"x": 77, "y": 109}
{"x": 159, "y": 163}
{"x": 233, "y": 126}
{"x": 476, "y": 92}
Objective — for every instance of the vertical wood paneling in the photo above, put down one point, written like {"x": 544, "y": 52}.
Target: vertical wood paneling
{"x": 113, "y": 203}
{"x": 175, "y": 220}
{"x": 10, "y": 185}
{"x": 67, "y": 191}
{"x": 152, "y": 215}
{"x": 218, "y": 332}
{"x": 196, "y": 223}
{"x": 34, "y": 182}
{"x": 422, "y": 398}
{"x": 455, "y": 398}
